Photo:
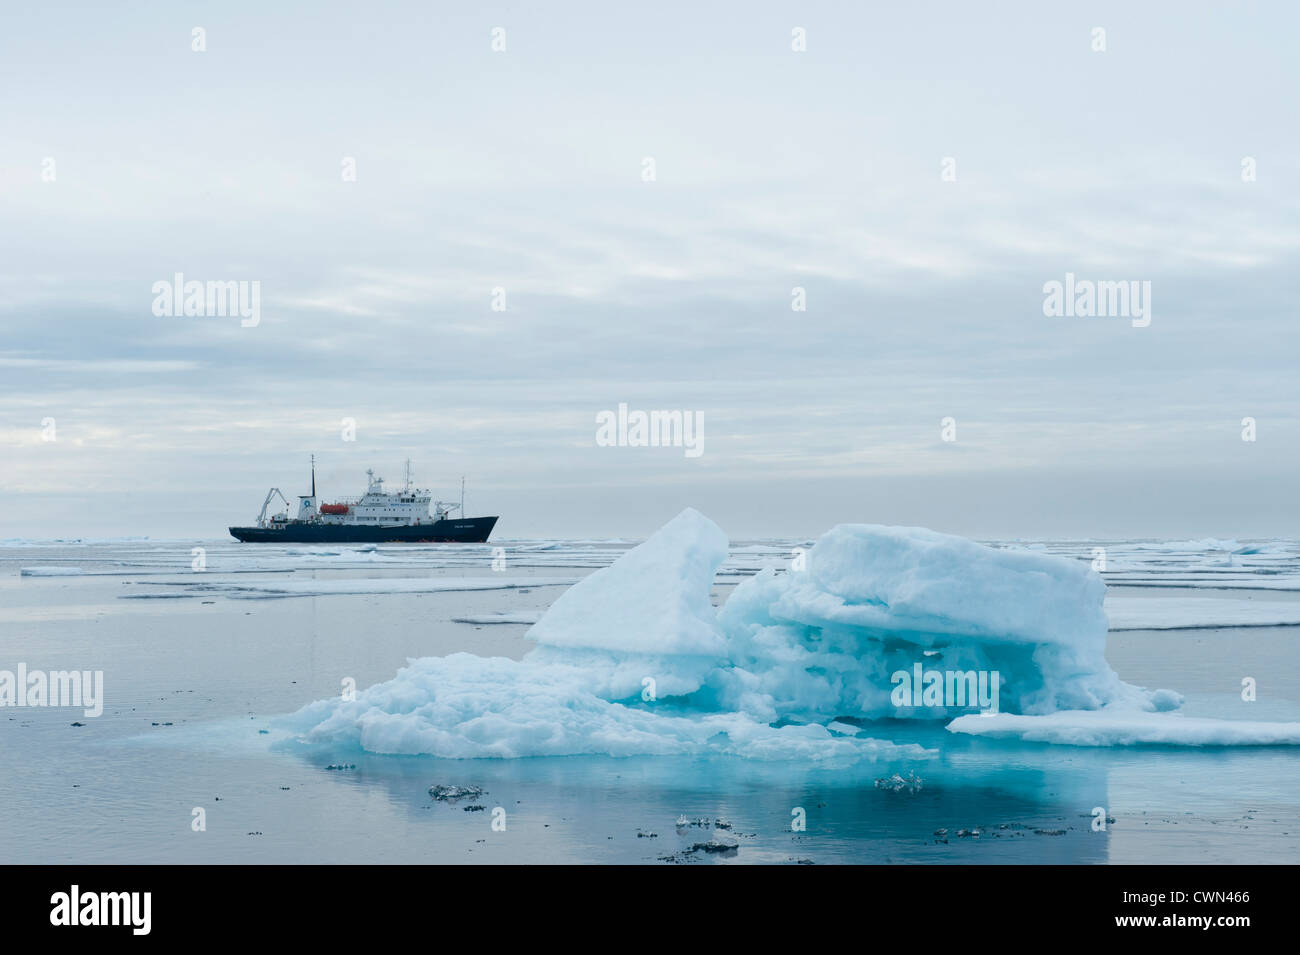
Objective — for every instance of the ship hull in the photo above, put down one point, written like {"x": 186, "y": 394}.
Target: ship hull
{"x": 468, "y": 530}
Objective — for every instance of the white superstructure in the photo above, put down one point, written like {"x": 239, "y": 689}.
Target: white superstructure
{"x": 378, "y": 507}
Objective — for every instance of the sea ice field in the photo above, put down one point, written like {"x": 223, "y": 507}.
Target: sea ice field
{"x": 690, "y": 699}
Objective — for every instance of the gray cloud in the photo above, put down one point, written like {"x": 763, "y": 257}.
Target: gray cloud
{"x": 522, "y": 170}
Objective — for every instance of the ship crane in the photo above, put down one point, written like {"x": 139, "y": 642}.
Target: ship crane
{"x": 443, "y": 508}
{"x": 261, "y": 518}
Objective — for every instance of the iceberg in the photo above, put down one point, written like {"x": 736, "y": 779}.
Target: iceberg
{"x": 799, "y": 663}
{"x": 621, "y": 668}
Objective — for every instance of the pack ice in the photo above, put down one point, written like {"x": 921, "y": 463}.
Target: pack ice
{"x": 634, "y": 660}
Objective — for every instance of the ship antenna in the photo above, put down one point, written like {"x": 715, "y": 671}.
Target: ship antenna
{"x": 313, "y": 475}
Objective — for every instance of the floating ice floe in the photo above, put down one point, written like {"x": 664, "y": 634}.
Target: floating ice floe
{"x": 634, "y": 660}
{"x": 367, "y": 585}
{"x": 50, "y": 572}
{"x": 1188, "y": 546}
{"x": 1199, "y": 613}
{"x": 348, "y": 555}
{"x": 1119, "y": 728}
{"x": 522, "y": 616}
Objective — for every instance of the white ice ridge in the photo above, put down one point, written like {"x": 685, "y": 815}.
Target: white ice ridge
{"x": 1118, "y": 728}
{"x": 365, "y": 585}
{"x": 634, "y": 659}
{"x": 1199, "y": 613}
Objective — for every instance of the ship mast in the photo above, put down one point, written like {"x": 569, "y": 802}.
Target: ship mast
{"x": 313, "y": 476}
{"x": 408, "y": 474}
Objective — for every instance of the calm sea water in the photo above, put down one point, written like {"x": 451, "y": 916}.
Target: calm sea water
{"x": 197, "y": 665}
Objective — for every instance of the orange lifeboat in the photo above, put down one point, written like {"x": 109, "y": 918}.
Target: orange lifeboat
{"x": 333, "y": 508}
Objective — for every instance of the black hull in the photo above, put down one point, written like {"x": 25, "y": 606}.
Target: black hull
{"x": 468, "y": 530}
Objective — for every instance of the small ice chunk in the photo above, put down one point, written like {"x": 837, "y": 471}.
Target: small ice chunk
{"x": 445, "y": 793}
{"x": 910, "y": 783}
{"x": 720, "y": 842}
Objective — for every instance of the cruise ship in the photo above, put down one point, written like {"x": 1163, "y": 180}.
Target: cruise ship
{"x": 379, "y": 516}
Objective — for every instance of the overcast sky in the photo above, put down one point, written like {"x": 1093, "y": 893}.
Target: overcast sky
{"x": 523, "y": 170}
